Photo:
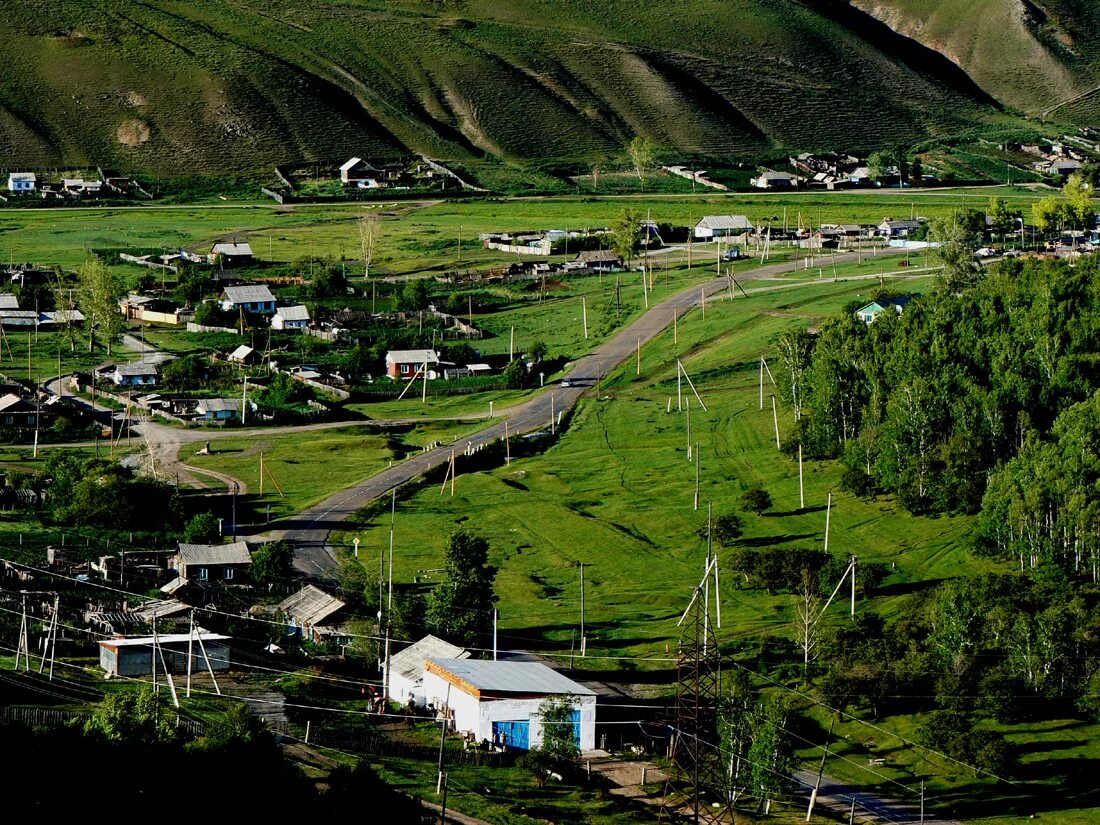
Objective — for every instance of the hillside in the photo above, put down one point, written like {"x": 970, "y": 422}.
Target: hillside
{"x": 176, "y": 88}
{"x": 1030, "y": 54}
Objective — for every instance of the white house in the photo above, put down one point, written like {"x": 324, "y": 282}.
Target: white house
{"x": 22, "y": 182}
{"x": 890, "y": 228}
{"x": 501, "y": 701}
{"x": 721, "y": 226}
{"x": 407, "y": 667}
{"x": 295, "y": 317}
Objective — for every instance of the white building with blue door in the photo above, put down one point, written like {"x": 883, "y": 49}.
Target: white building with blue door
{"x": 500, "y": 701}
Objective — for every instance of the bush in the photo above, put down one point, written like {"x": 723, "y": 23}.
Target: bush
{"x": 756, "y": 500}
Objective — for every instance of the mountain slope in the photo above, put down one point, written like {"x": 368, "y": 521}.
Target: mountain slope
{"x": 1030, "y": 54}
{"x": 173, "y": 87}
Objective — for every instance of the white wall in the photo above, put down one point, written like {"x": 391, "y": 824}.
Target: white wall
{"x": 471, "y": 714}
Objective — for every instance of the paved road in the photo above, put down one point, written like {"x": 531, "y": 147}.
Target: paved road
{"x": 309, "y": 530}
{"x": 837, "y": 797}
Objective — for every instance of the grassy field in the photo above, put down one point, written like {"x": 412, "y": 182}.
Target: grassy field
{"x": 309, "y": 466}
{"x": 621, "y": 482}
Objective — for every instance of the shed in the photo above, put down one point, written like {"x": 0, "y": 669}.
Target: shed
{"x": 134, "y": 657}
{"x": 407, "y": 667}
{"x": 501, "y": 701}
{"x": 312, "y": 613}
{"x": 243, "y": 354}
{"x": 292, "y": 317}
{"x": 720, "y": 226}
{"x": 251, "y": 298}
{"x": 405, "y": 363}
{"x": 597, "y": 260}
{"x": 8, "y": 301}
{"x": 213, "y": 562}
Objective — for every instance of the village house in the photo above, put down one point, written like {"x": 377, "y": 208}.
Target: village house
{"x": 359, "y": 174}
{"x": 722, "y": 226}
{"x": 1062, "y": 167}
{"x": 890, "y": 228}
{"x": 20, "y": 318}
{"x": 140, "y": 374}
{"x": 405, "y": 363}
{"x": 596, "y": 260}
{"x": 500, "y": 701}
{"x": 134, "y": 657}
{"x": 253, "y": 298}
{"x": 769, "y": 179}
{"x": 231, "y": 255}
{"x": 869, "y": 312}
{"x": 406, "y": 677}
{"x": 60, "y": 317}
{"x": 213, "y": 562}
{"x": 18, "y": 412}
{"x": 218, "y": 409}
{"x": 292, "y": 317}
{"x": 22, "y": 183}
{"x": 314, "y": 615}
{"x": 79, "y": 186}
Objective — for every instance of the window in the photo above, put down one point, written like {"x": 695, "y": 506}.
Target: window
{"x": 204, "y": 574}
{"x": 404, "y": 368}
{"x": 228, "y": 574}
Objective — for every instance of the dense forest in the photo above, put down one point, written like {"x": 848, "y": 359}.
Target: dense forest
{"x": 983, "y": 400}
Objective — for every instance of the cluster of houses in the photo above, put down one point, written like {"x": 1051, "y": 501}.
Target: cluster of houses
{"x": 1054, "y": 159}
{"x": 12, "y": 316}
{"x": 108, "y": 184}
{"x": 831, "y": 170}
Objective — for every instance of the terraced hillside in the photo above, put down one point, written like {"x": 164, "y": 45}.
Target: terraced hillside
{"x": 172, "y": 87}
{"x": 1033, "y": 55}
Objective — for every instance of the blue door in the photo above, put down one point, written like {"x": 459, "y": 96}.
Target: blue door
{"x": 576, "y": 719}
{"x": 513, "y": 734}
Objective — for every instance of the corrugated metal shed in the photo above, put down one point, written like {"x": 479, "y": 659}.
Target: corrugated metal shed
{"x": 476, "y": 676}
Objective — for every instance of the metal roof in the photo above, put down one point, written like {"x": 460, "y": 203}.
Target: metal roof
{"x": 22, "y": 176}
{"x": 508, "y": 677}
{"x": 241, "y": 352}
{"x": 8, "y": 301}
{"x": 298, "y": 312}
{"x": 412, "y": 356}
{"x": 206, "y": 405}
{"x": 243, "y": 249}
{"x": 139, "y": 368}
{"x": 249, "y": 294}
{"x": 235, "y": 553}
{"x": 166, "y": 639}
{"x": 11, "y": 400}
{"x": 725, "y": 222}
{"x": 592, "y": 256}
{"x": 410, "y": 661}
{"x": 310, "y": 605}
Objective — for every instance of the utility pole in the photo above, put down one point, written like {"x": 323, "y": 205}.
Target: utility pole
{"x": 801, "y": 490}
{"x": 584, "y": 317}
{"x": 775, "y": 418}
{"x": 582, "y": 611}
{"x": 244, "y": 400}
{"x": 828, "y": 511}
{"x": 444, "y": 711}
{"x": 698, "y": 461}
{"x": 820, "y": 771}
{"x": 853, "y": 585}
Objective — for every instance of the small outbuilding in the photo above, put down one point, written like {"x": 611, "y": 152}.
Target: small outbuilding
{"x": 22, "y": 183}
{"x": 134, "y": 657}
{"x": 501, "y": 701}
{"x": 775, "y": 180}
{"x": 243, "y": 354}
{"x": 358, "y": 173}
{"x": 218, "y": 409}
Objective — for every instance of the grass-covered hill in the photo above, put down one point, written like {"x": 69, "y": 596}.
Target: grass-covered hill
{"x": 172, "y": 87}
{"x": 1033, "y": 55}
